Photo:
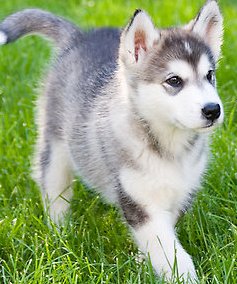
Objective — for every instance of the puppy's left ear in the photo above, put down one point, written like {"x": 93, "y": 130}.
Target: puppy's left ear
{"x": 209, "y": 26}
{"x": 137, "y": 39}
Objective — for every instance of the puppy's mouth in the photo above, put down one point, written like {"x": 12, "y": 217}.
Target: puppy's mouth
{"x": 209, "y": 124}
{"x": 205, "y": 127}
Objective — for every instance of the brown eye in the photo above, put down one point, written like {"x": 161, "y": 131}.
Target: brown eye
{"x": 175, "y": 82}
{"x": 211, "y": 76}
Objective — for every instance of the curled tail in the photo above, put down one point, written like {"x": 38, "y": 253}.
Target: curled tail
{"x": 35, "y": 21}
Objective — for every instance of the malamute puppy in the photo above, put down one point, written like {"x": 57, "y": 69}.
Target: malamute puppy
{"x": 130, "y": 112}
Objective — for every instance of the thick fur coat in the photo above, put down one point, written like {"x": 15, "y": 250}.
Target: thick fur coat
{"x": 130, "y": 112}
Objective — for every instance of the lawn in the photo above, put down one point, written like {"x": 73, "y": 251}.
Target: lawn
{"x": 95, "y": 245}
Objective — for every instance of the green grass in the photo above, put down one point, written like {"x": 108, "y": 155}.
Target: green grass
{"x": 95, "y": 246}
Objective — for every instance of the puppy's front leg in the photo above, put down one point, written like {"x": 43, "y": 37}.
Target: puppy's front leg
{"x": 153, "y": 224}
{"x": 156, "y": 238}
{"x": 155, "y": 235}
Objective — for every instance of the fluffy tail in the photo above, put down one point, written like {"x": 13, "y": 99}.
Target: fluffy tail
{"x": 35, "y": 21}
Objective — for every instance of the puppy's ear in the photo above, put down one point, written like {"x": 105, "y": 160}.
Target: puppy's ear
{"x": 209, "y": 26}
{"x": 137, "y": 39}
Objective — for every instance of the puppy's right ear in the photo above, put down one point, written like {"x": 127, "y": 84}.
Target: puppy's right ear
{"x": 137, "y": 39}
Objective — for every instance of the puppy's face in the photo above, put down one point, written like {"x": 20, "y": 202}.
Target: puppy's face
{"x": 171, "y": 73}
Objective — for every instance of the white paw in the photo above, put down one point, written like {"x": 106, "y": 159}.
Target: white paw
{"x": 184, "y": 268}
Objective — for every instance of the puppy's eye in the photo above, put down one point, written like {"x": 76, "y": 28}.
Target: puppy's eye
{"x": 175, "y": 82}
{"x": 211, "y": 76}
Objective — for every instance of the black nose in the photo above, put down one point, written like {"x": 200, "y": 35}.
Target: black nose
{"x": 211, "y": 111}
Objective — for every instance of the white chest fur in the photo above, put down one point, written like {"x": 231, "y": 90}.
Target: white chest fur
{"x": 162, "y": 184}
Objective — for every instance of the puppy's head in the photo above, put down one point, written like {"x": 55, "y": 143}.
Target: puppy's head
{"x": 170, "y": 73}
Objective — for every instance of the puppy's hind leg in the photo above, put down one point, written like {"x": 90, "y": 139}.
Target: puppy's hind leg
{"x": 55, "y": 177}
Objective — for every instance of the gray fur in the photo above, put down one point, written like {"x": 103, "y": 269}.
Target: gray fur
{"x": 134, "y": 213}
{"x": 37, "y": 21}
{"x": 80, "y": 89}
{"x": 109, "y": 114}
{"x": 192, "y": 142}
{"x": 44, "y": 161}
{"x": 173, "y": 48}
